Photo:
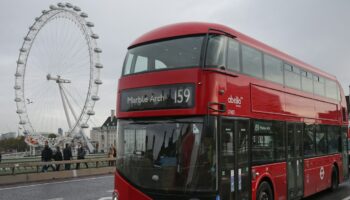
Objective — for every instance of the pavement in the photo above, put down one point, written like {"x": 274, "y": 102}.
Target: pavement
{"x": 101, "y": 188}
{"x": 91, "y": 188}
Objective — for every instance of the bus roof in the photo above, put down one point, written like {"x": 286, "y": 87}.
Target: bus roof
{"x": 193, "y": 28}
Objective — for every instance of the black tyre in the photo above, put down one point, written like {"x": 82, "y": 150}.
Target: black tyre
{"x": 335, "y": 179}
{"x": 264, "y": 191}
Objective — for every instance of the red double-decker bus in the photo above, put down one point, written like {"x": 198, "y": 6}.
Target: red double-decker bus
{"x": 206, "y": 112}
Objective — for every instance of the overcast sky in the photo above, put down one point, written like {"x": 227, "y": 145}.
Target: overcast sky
{"x": 314, "y": 31}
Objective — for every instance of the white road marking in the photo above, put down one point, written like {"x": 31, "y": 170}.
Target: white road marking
{"x": 60, "y": 198}
{"x": 346, "y": 198}
{"x": 110, "y": 191}
{"x": 69, "y": 181}
{"x": 105, "y": 198}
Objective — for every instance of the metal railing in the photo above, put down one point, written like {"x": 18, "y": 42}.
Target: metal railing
{"x": 25, "y": 167}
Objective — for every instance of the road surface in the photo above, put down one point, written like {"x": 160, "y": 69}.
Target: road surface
{"x": 101, "y": 187}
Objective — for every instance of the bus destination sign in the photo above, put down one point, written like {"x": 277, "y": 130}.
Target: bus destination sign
{"x": 157, "y": 97}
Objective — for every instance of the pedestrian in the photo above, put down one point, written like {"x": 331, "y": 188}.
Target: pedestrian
{"x": 58, "y": 157}
{"x": 114, "y": 155}
{"x": 110, "y": 155}
{"x": 46, "y": 156}
{"x": 67, "y": 155}
{"x": 0, "y": 157}
{"x": 81, "y": 156}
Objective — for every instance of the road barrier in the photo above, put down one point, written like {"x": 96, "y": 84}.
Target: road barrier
{"x": 23, "y": 172}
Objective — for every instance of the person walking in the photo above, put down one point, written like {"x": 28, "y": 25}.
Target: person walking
{"x": 58, "y": 157}
{"x": 81, "y": 156}
{"x": 67, "y": 155}
{"x": 46, "y": 156}
{"x": 114, "y": 155}
{"x": 110, "y": 155}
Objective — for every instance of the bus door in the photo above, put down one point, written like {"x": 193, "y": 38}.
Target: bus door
{"x": 234, "y": 171}
{"x": 295, "y": 166}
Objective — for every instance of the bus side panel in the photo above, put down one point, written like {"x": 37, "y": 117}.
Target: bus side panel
{"x": 277, "y": 173}
{"x": 126, "y": 191}
{"x": 318, "y": 173}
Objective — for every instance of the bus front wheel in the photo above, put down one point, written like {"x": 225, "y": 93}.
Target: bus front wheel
{"x": 264, "y": 191}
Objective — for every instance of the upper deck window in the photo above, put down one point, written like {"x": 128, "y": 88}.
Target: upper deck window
{"x": 252, "y": 61}
{"x": 292, "y": 76}
{"x": 169, "y": 54}
{"x": 306, "y": 81}
{"x": 273, "y": 69}
{"x": 223, "y": 52}
{"x": 319, "y": 85}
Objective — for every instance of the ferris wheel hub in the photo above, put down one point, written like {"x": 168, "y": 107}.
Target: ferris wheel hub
{"x": 58, "y": 79}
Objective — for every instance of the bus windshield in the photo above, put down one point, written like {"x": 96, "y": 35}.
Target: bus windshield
{"x": 168, "y": 155}
{"x": 169, "y": 54}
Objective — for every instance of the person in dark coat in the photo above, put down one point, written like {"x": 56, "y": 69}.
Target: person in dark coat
{"x": 81, "y": 156}
{"x": 58, "y": 157}
{"x": 46, "y": 156}
{"x": 67, "y": 155}
{"x": 0, "y": 157}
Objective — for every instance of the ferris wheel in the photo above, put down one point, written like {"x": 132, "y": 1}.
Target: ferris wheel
{"x": 57, "y": 75}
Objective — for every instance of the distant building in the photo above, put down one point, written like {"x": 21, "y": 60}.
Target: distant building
{"x": 60, "y": 131}
{"x": 8, "y": 135}
{"x": 106, "y": 135}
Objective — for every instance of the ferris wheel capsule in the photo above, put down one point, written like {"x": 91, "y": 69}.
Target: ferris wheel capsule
{"x": 95, "y": 98}
{"x": 98, "y": 50}
{"x": 69, "y": 5}
{"x": 89, "y": 24}
{"x": 22, "y": 122}
{"x": 18, "y": 99}
{"x": 19, "y": 111}
{"x": 98, "y": 82}
{"x": 76, "y": 8}
{"x": 23, "y": 50}
{"x": 98, "y": 65}
{"x": 61, "y": 5}
{"x": 27, "y": 39}
{"x": 94, "y": 36}
{"x": 84, "y": 126}
{"x": 20, "y": 62}
{"x": 84, "y": 15}
{"x": 53, "y": 7}
{"x": 17, "y": 87}
{"x": 17, "y": 74}
{"x": 91, "y": 112}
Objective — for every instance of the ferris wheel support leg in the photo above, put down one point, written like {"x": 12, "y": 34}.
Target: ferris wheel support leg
{"x": 70, "y": 106}
{"x": 65, "y": 106}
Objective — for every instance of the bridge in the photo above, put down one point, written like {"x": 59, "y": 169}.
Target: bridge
{"x": 24, "y": 180}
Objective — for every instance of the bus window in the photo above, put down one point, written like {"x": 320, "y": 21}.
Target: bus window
{"x": 321, "y": 140}
{"x": 233, "y": 55}
{"x": 182, "y": 52}
{"x": 292, "y": 76}
{"x": 141, "y": 64}
{"x": 159, "y": 65}
{"x": 127, "y": 64}
{"x": 306, "y": 82}
{"x": 268, "y": 142}
{"x": 309, "y": 141}
{"x": 252, "y": 61}
{"x": 333, "y": 139}
{"x": 273, "y": 69}
{"x": 319, "y": 85}
{"x": 331, "y": 89}
{"x": 216, "y": 51}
